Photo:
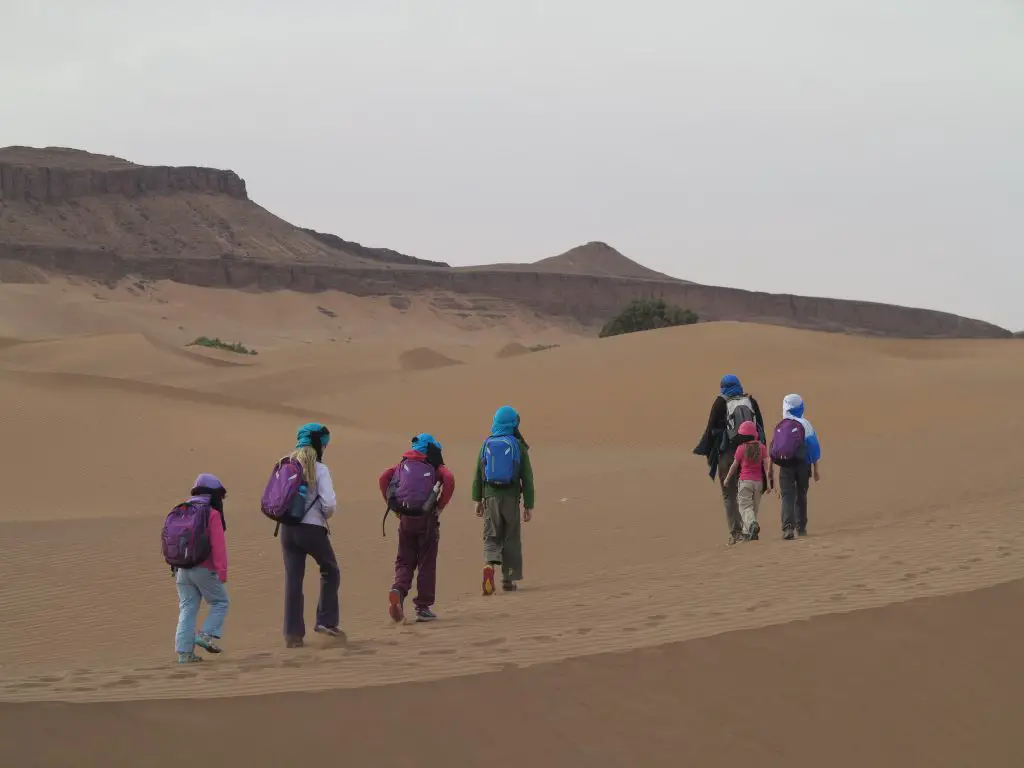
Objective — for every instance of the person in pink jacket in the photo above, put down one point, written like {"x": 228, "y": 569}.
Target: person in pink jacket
{"x": 205, "y": 581}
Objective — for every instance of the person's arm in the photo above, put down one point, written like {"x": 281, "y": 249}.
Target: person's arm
{"x": 716, "y": 422}
{"x": 218, "y": 546}
{"x": 526, "y": 480}
{"x": 325, "y": 490}
{"x": 385, "y": 480}
{"x": 478, "y": 477}
{"x": 447, "y": 488}
{"x": 757, "y": 416}
{"x": 814, "y": 455}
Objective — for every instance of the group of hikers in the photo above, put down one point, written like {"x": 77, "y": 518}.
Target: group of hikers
{"x": 734, "y": 443}
{"x": 300, "y": 498}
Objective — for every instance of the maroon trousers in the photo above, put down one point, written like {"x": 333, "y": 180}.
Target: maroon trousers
{"x": 417, "y": 550}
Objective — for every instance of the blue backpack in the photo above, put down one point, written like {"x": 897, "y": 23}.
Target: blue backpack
{"x": 501, "y": 461}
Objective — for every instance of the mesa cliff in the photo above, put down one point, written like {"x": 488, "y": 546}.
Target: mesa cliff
{"x": 68, "y": 212}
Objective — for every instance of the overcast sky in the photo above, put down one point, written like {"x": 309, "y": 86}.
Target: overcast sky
{"x": 868, "y": 149}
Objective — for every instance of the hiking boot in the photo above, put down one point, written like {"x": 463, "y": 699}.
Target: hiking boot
{"x": 488, "y": 580}
{"x": 425, "y": 614}
{"x": 206, "y": 642}
{"x": 189, "y": 658}
{"x": 736, "y": 537}
{"x": 755, "y": 531}
{"x": 801, "y": 532}
{"x": 329, "y": 631}
{"x": 508, "y": 585}
{"x": 396, "y": 609}
{"x": 294, "y": 642}
{"x": 788, "y": 534}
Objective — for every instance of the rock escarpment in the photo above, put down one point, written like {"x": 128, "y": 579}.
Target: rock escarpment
{"x": 102, "y": 218}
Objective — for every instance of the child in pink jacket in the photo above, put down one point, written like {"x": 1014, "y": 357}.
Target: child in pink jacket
{"x": 205, "y": 581}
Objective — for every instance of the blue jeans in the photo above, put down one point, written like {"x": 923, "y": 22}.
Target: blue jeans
{"x": 194, "y": 586}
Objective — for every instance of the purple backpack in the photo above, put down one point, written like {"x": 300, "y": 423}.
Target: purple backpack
{"x": 284, "y": 498}
{"x": 788, "y": 446}
{"x": 412, "y": 488}
{"x": 185, "y": 540}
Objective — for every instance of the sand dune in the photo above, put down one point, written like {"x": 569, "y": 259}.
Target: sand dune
{"x": 424, "y": 358}
{"x": 919, "y": 499}
{"x": 831, "y": 691}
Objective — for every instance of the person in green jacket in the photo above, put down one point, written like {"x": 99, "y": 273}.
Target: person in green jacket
{"x": 503, "y": 476}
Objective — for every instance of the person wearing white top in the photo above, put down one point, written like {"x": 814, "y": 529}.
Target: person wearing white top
{"x": 311, "y": 538}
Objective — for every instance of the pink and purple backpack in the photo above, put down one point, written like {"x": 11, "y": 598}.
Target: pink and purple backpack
{"x": 185, "y": 541}
{"x": 788, "y": 443}
{"x": 284, "y": 498}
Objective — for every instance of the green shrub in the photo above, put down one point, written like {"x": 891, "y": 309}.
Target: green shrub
{"x": 205, "y": 341}
{"x": 646, "y": 315}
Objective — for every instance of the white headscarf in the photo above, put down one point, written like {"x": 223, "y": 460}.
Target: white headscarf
{"x": 793, "y": 408}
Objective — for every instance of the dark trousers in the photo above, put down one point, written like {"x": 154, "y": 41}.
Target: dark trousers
{"x": 793, "y": 483}
{"x": 298, "y": 541}
{"x": 418, "y": 538}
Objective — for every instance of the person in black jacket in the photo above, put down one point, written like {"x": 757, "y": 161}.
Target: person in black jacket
{"x": 721, "y": 437}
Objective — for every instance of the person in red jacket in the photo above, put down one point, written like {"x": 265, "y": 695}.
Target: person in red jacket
{"x": 417, "y": 489}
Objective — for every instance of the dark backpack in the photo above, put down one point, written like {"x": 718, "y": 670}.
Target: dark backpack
{"x": 789, "y": 446}
{"x": 185, "y": 540}
{"x": 501, "y": 460}
{"x": 738, "y": 410}
{"x": 413, "y": 489}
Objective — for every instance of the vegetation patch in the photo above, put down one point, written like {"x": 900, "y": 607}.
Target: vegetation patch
{"x": 236, "y": 347}
{"x": 647, "y": 315}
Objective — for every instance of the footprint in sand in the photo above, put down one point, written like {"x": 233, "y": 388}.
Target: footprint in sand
{"x": 656, "y": 618}
{"x": 438, "y": 652}
{"x": 494, "y": 641}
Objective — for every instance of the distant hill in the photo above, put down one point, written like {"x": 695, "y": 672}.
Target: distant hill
{"x": 65, "y": 211}
{"x": 596, "y": 259}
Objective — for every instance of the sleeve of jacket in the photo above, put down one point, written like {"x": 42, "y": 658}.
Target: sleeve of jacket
{"x": 526, "y": 477}
{"x": 218, "y": 546}
{"x": 716, "y": 423}
{"x": 325, "y": 490}
{"x": 478, "y": 478}
{"x": 385, "y": 480}
{"x": 447, "y": 487}
{"x": 758, "y": 416}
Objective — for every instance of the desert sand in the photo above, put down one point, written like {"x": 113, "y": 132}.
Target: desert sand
{"x": 887, "y": 637}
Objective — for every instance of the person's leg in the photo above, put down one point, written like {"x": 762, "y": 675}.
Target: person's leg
{"x": 216, "y": 595}
{"x": 745, "y": 499}
{"x": 494, "y": 538}
{"x": 803, "y": 481}
{"x": 512, "y": 546}
{"x": 405, "y": 564}
{"x": 729, "y": 494}
{"x": 188, "y": 611}
{"x": 787, "y": 488}
{"x": 426, "y": 579}
{"x": 294, "y": 574}
{"x": 319, "y": 546}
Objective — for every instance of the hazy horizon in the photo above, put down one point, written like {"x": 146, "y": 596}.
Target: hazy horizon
{"x": 864, "y": 150}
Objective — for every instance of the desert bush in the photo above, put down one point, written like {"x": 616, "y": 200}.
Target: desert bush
{"x": 238, "y": 348}
{"x": 646, "y": 315}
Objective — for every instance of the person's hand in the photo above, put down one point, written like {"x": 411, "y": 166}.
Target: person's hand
{"x": 527, "y": 515}
{"x": 223, "y": 578}
{"x": 817, "y": 475}
{"x": 479, "y": 509}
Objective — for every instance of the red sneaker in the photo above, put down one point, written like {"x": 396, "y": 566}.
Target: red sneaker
{"x": 395, "y": 608}
{"x": 488, "y": 580}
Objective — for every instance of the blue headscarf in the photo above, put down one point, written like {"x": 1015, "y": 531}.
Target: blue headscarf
{"x": 423, "y": 441}
{"x": 506, "y": 421}
{"x": 304, "y": 437}
{"x": 731, "y": 386}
